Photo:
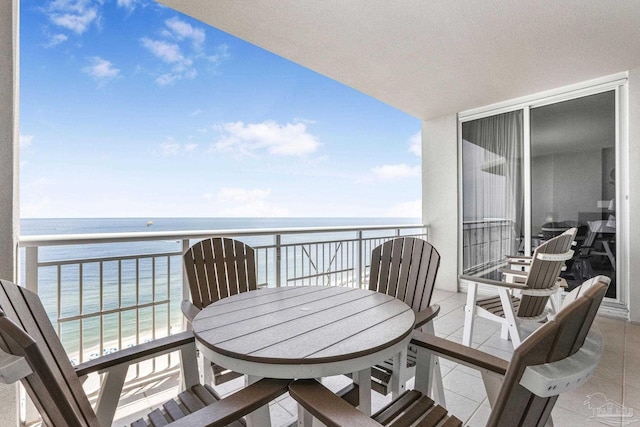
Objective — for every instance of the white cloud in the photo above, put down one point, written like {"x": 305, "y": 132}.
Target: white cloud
{"x": 169, "y": 148}
{"x": 291, "y": 139}
{"x": 101, "y": 69}
{"x": 246, "y": 202}
{"x": 56, "y": 39}
{"x": 181, "y": 45}
{"x": 241, "y": 195}
{"x": 130, "y": 5}
{"x": 36, "y": 207}
{"x": 74, "y": 15}
{"x": 166, "y": 79}
{"x": 394, "y": 172}
{"x": 221, "y": 52}
{"x": 408, "y": 209}
{"x": 196, "y": 112}
{"x": 183, "y": 30}
{"x": 415, "y": 144}
{"x": 168, "y": 52}
{"x": 25, "y": 140}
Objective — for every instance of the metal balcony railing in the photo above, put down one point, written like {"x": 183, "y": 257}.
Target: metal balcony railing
{"x": 105, "y": 292}
{"x": 486, "y": 242}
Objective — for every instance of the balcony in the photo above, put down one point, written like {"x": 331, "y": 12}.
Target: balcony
{"x": 104, "y": 292}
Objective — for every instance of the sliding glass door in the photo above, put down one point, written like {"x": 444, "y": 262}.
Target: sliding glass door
{"x": 529, "y": 174}
{"x": 573, "y": 184}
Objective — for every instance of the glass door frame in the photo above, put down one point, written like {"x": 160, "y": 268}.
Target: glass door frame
{"x": 616, "y": 83}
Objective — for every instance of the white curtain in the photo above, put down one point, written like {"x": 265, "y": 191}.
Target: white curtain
{"x": 493, "y": 201}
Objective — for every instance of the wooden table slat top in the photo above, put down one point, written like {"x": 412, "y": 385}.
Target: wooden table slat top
{"x": 303, "y": 325}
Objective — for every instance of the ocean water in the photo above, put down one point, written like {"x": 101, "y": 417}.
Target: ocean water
{"x": 38, "y": 226}
{"x": 129, "y": 283}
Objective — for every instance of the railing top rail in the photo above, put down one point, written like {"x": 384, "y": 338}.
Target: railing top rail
{"x": 76, "y": 239}
{"x": 486, "y": 220}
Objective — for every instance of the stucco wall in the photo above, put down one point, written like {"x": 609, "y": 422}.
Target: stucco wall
{"x": 440, "y": 194}
{"x": 8, "y": 154}
{"x": 634, "y": 194}
{"x": 8, "y": 172}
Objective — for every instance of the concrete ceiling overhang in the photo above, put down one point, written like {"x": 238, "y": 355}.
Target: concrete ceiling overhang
{"x": 432, "y": 58}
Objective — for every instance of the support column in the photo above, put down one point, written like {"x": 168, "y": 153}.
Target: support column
{"x": 632, "y": 199}
{"x": 440, "y": 194}
{"x": 9, "y": 202}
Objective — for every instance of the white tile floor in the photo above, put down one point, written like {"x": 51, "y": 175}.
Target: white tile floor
{"x": 617, "y": 379}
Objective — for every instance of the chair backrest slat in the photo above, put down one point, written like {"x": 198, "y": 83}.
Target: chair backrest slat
{"x": 53, "y": 386}
{"x": 543, "y": 273}
{"x": 559, "y": 338}
{"x": 219, "y": 267}
{"x": 405, "y": 268}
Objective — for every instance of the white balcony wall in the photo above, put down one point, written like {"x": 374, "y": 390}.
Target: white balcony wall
{"x": 634, "y": 195}
{"x": 440, "y": 194}
{"x": 9, "y": 202}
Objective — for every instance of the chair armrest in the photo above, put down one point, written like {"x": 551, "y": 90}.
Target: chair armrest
{"x": 460, "y": 353}
{"x": 236, "y": 405}
{"x": 13, "y": 368}
{"x": 511, "y": 272}
{"x": 523, "y": 258}
{"x": 551, "y": 379}
{"x": 483, "y": 281}
{"x": 136, "y": 354}
{"x": 189, "y": 310}
{"x": 425, "y": 316}
{"x": 512, "y": 259}
{"x": 330, "y": 409}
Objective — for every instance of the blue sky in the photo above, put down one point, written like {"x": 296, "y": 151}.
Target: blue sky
{"x": 130, "y": 109}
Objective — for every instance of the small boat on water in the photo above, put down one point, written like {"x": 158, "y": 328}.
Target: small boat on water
{"x": 149, "y": 223}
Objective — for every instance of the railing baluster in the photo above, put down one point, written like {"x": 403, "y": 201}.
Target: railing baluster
{"x": 81, "y": 311}
{"x": 340, "y": 260}
{"x": 360, "y": 271}
{"x": 278, "y": 242}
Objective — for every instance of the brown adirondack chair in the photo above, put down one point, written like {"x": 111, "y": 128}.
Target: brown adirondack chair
{"x": 30, "y": 351}
{"x": 534, "y": 286}
{"x": 406, "y": 268}
{"x": 217, "y": 268}
{"x": 558, "y": 357}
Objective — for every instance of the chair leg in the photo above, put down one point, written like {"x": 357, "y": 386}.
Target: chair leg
{"x": 205, "y": 369}
{"x": 504, "y": 331}
{"x": 469, "y": 313}
{"x": 398, "y": 383}
{"x": 510, "y": 317}
{"x": 305, "y": 419}
{"x": 435, "y": 385}
{"x": 110, "y": 391}
{"x": 492, "y": 385}
{"x": 260, "y": 417}
{"x": 363, "y": 379}
{"x": 189, "y": 366}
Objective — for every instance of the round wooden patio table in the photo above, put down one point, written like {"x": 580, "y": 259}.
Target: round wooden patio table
{"x": 305, "y": 332}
